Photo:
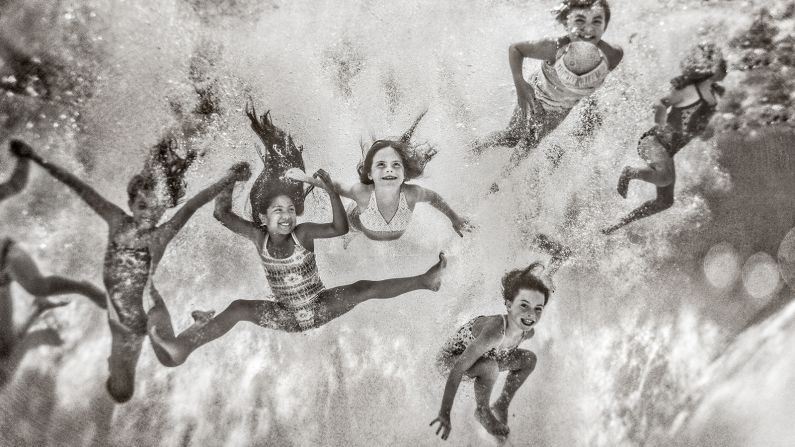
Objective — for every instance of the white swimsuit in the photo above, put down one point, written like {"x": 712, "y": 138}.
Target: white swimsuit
{"x": 559, "y": 90}
{"x": 371, "y": 222}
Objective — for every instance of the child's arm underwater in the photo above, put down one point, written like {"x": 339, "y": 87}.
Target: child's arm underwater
{"x": 240, "y": 172}
{"x": 224, "y": 214}
{"x": 614, "y": 53}
{"x": 543, "y": 49}
{"x": 347, "y": 191}
{"x": 488, "y": 338}
{"x": 99, "y": 204}
{"x": 19, "y": 178}
{"x": 433, "y": 198}
{"x": 308, "y": 232}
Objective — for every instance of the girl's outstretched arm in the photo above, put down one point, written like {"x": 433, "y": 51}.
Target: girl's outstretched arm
{"x": 460, "y": 225}
{"x": 99, "y": 204}
{"x": 240, "y": 172}
{"x": 347, "y": 191}
{"x": 488, "y": 338}
{"x": 19, "y": 178}
{"x": 224, "y": 214}
{"x": 540, "y": 49}
{"x": 337, "y": 227}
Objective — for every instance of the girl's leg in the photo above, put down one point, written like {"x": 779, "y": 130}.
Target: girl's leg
{"x": 125, "y": 350}
{"x": 660, "y": 172}
{"x": 173, "y": 351}
{"x": 485, "y": 372}
{"x": 664, "y": 200}
{"x": 520, "y": 364}
{"x": 24, "y": 271}
{"x": 337, "y": 301}
{"x": 7, "y": 334}
{"x": 509, "y": 137}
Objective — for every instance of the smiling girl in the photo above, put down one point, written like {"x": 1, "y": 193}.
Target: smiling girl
{"x": 384, "y": 201}
{"x": 136, "y": 244}
{"x": 486, "y": 345}
{"x": 287, "y": 252}
{"x": 573, "y": 67}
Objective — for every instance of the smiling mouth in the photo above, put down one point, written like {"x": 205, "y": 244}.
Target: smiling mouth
{"x": 389, "y": 177}
{"x": 527, "y": 322}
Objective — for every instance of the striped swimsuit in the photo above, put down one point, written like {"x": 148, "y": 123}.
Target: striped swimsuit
{"x": 294, "y": 281}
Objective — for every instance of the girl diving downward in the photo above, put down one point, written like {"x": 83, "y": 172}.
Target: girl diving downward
{"x": 573, "y": 67}
{"x": 679, "y": 117}
{"x": 286, "y": 250}
{"x": 136, "y": 244}
{"x": 384, "y": 202}
{"x": 16, "y": 265}
{"x": 486, "y": 345}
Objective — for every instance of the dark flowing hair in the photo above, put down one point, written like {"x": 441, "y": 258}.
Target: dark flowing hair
{"x": 164, "y": 165}
{"x": 701, "y": 63}
{"x": 561, "y": 12}
{"x": 526, "y": 278}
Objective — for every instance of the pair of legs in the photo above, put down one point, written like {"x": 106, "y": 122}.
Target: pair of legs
{"x": 660, "y": 172}
{"x": 332, "y": 303}
{"x": 17, "y": 266}
{"x": 522, "y": 135}
{"x": 494, "y": 417}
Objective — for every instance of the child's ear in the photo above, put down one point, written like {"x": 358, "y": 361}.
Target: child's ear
{"x": 370, "y": 176}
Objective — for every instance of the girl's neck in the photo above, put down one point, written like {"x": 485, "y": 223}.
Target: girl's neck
{"x": 279, "y": 239}
{"x": 511, "y": 329}
{"x": 387, "y": 192}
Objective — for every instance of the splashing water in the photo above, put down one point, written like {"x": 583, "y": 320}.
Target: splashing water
{"x": 645, "y": 340}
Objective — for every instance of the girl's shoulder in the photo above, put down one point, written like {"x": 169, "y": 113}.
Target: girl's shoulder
{"x": 489, "y": 327}
{"x": 361, "y": 191}
{"x": 414, "y": 193}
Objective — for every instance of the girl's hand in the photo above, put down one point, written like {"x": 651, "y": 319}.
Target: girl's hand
{"x": 21, "y": 149}
{"x": 325, "y": 178}
{"x": 240, "y": 171}
{"x": 444, "y": 425}
{"x": 463, "y": 225}
{"x": 297, "y": 175}
{"x": 525, "y": 97}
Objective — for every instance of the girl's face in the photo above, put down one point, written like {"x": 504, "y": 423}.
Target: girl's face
{"x": 387, "y": 168}
{"x": 525, "y": 309}
{"x": 280, "y": 217}
{"x": 147, "y": 208}
{"x": 586, "y": 24}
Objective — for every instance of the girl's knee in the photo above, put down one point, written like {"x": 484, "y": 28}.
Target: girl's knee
{"x": 484, "y": 367}
{"x": 528, "y": 359}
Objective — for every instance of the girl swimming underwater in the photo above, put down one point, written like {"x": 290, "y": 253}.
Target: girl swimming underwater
{"x": 16, "y": 265}
{"x": 384, "y": 201}
{"x": 136, "y": 244}
{"x": 486, "y": 345}
{"x": 574, "y": 66}
{"x": 286, "y": 250}
{"x": 679, "y": 117}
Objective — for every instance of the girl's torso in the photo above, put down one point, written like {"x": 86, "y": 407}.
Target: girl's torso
{"x": 558, "y": 89}
{"x": 689, "y": 118}
{"x": 372, "y": 222}
{"x": 458, "y": 343}
{"x": 293, "y": 278}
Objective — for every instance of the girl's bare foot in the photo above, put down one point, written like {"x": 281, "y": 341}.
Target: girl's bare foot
{"x": 490, "y": 422}
{"x": 623, "y": 182}
{"x": 433, "y": 277}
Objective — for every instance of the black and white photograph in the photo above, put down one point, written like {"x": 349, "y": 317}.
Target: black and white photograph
{"x": 397, "y": 223}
